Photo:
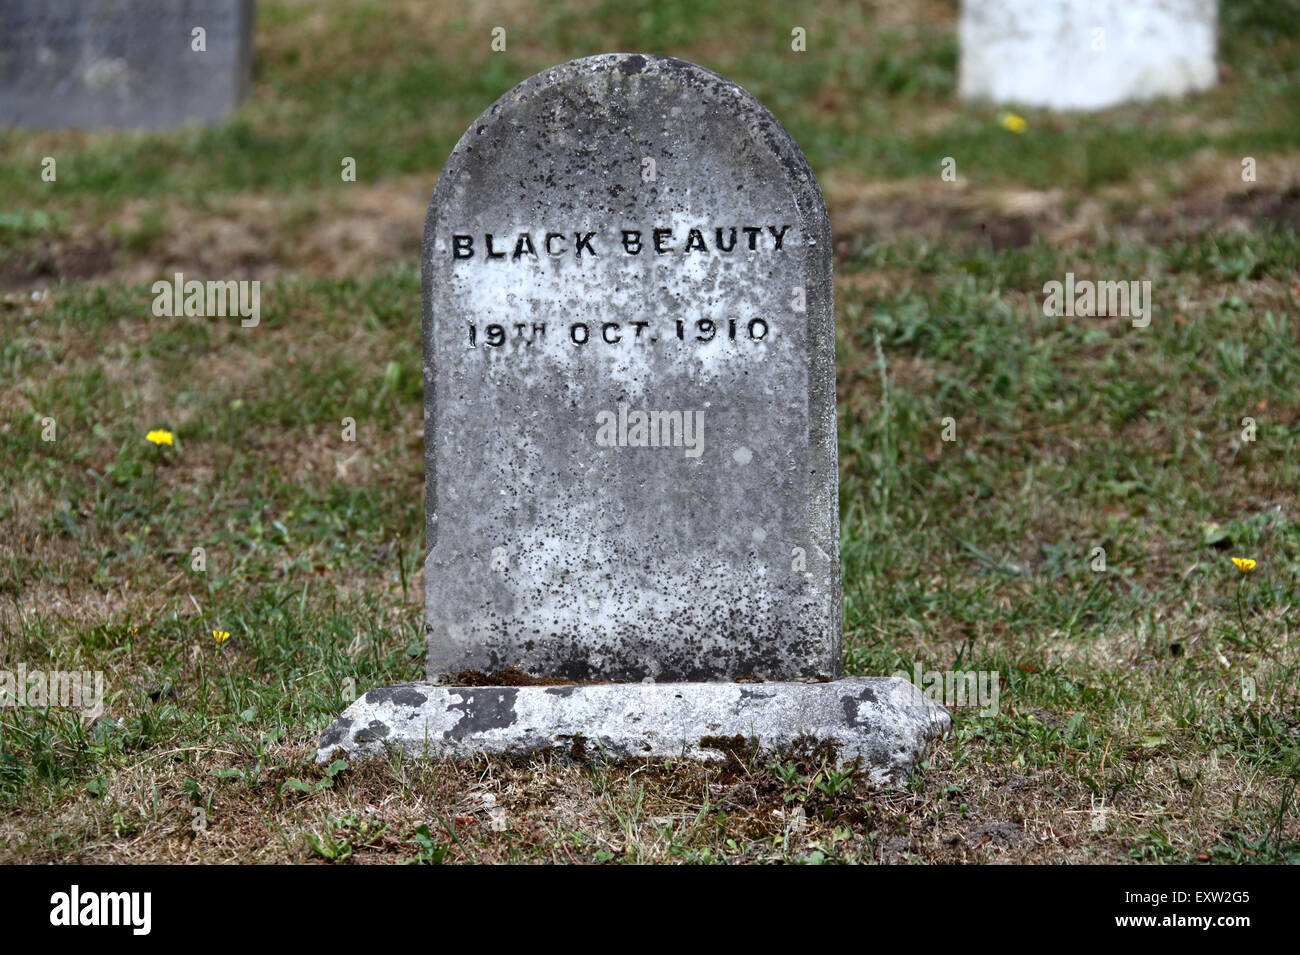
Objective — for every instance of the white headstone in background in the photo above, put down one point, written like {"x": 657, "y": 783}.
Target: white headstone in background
{"x": 1085, "y": 54}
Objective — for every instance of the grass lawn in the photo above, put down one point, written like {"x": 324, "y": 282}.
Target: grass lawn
{"x": 1149, "y": 710}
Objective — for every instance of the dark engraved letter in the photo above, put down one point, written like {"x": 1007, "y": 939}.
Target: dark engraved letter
{"x": 524, "y": 246}
{"x": 604, "y": 332}
{"x": 778, "y": 236}
{"x": 695, "y": 240}
{"x": 462, "y": 247}
{"x": 549, "y": 237}
{"x": 631, "y": 236}
{"x": 583, "y": 240}
{"x": 487, "y": 243}
{"x": 732, "y": 245}
{"x": 573, "y": 333}
{"x": 752, "y": 333}
{"x": 662, "y": 234}
{"x": 753, "y": 232}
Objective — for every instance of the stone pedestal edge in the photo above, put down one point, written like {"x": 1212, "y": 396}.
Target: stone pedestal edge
{"x": 884, "y": 724}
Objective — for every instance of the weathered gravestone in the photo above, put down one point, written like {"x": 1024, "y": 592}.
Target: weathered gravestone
{"x": 130, "y": 64}
{"x": 631, "y": 436}
{"x": 1085, "y": 54}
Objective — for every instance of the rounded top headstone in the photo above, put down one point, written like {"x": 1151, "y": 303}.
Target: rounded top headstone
{"x": 630, "y": 386}
{"x": 599, "y": 112}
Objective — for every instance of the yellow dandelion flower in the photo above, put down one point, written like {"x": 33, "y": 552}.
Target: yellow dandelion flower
{"x": 1013, "y": 123}
{"x": 159, "y": 437}
{"x": 221, "y": 636}
{"x": 1244, "y": 564}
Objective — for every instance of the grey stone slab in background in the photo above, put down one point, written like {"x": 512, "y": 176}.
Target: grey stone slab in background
{"x": 882, "y": 723}
{"x": 126, "y": 64}
{"x": 618, "y": 237}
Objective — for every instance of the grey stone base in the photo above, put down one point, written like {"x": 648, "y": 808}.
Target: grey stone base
{"x": 884, "y": 722}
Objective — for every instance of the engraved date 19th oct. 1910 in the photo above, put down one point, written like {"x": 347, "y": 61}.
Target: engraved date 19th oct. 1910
{"x": 496, "y": 334}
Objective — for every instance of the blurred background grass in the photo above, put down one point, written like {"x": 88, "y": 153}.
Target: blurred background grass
{"x": 394, "y": 84}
